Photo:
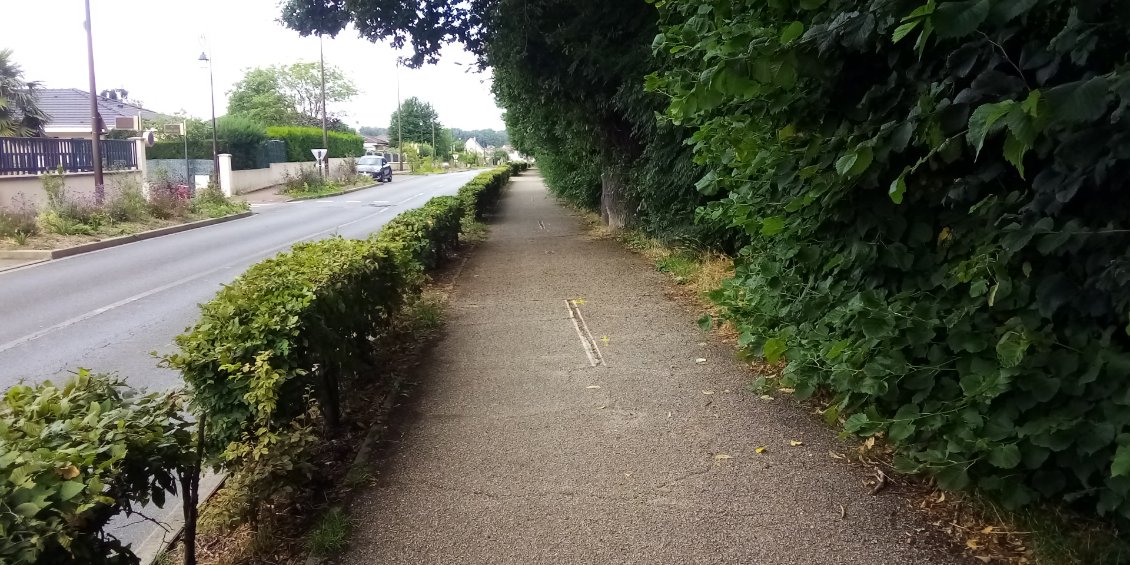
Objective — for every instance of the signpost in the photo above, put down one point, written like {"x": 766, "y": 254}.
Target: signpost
{"x": 320, "y": 157}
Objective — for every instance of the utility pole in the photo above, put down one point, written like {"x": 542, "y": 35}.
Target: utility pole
{"x": 325, "y": 134}
{"x": 399, "y": 120}
{"x": 95, "y": 119}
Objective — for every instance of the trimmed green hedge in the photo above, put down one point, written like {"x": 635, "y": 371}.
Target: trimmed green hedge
{"x": 482, "y": 193}
{"x": 427, "y": 233}
{"x": 300, "y": 140}
{"x": 175, "y": 150}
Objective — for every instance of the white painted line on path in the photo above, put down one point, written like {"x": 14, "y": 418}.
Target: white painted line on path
{"x": 583, "y": 333}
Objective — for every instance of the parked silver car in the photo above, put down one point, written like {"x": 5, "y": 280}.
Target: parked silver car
{"x": 376, "y": 167}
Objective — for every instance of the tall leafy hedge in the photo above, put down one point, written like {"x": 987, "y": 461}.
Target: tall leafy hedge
{"x": 237, "y": 136}
{"x": 300, "y": 140}
{"x": 936, "y": 199}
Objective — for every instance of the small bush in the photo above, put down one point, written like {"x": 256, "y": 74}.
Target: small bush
{"x": 307, "y": 179}
{"x": 18, "y": 220}
{"x": 212, "y": 203}
{"x": 166, "y": 203}
{"x": 74, "y": 456}
{"x": 127, "y": 203}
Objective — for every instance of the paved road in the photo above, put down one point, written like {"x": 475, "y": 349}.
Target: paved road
{"x": 108, "y": 310}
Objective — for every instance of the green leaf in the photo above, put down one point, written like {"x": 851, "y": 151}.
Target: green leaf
{"x": 903, "y": 425}
{"x": 1014, "y": 151}
{"x": 983, "y": 119}
{"x": 708, "y": 185}
{"x": 846, "y": 162}
{"x": 957, "y": 19}
{"x": 791, "y": 32}
{"x": 772, "y": 225}
{"x": 856, "y": 422}
{"x": 70, "y": 489}
{"x": 1121, "y": 465}
{"x": 1079, "y": 101}
{"x": 904, "y": 30}
{"x": 27, "y": 509}
{"x": 1005, "y": 456}
{"x": 774, "y": 348}
{"x": 811, "y": 4}
{"x": 706, "y": 322}
{"x": 855, "y": 163}
{"x": 866, "y": 157}
{"x": 876, "y": 327}
{"x": 1004, "y": 12}
{"x": 898, "y": 189}
{"x": 954, "y": 477}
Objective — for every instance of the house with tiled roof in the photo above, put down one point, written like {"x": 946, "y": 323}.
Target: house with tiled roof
{"x": 69, "y": 112}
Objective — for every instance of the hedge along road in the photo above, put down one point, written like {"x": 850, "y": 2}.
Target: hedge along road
{"x": 107, "y": 310}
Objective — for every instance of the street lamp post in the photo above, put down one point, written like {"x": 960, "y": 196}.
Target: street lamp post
{"x": 325, "y": 135}
{"x": 204, "y": 58}
{"x": 399, "y": 121}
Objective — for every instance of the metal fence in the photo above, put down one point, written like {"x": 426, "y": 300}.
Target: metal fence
{"x": 37, "y": 155}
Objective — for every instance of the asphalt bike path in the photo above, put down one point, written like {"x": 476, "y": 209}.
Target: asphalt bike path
{"x": 574, "y": 413}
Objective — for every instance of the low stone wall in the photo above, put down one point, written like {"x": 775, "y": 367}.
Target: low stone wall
{"x": 257, "y": 179}
{"x": 18, "y": 191}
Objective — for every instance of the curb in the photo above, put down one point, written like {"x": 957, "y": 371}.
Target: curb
{"x": 332, "y": 194}
{"x": 48, "y": 254}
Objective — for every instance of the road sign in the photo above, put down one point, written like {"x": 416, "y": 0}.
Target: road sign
{"x": 319, "y": 154}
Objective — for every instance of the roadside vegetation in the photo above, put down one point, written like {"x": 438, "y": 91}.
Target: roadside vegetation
{"x": 308, "y": 182}
{"x": 67, "y": 219}
{"x": 286, "y": 371}
{"x": 923, "y": 200}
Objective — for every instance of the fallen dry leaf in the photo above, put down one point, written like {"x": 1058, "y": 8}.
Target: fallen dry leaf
{"x": 760, "y": 450}
{"x": 708, "y": 392}
{"x": 941, "y": 498}
{"x": 604, "y": 339}
{"x": 869, "y": 443}
{"x": 579, "y": 301}
{"x": 835, "y": 455}
{"x": 593, "y": 386}
{"x": 973, "y": 543}
{"x": 69, "y": 472}
{"x": 987, "y": 530}
{"x": 787, "y": 390}
{"x": 766, "y": 397}
{"x": 795, "y": 442}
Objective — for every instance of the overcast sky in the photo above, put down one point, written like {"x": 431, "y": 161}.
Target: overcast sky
{"x": 151, "y": 47}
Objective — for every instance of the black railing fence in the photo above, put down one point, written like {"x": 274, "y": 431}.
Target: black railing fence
{"x": 38, "y": 155}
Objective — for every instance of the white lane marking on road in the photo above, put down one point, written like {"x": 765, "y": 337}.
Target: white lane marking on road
{"x": 352, "y": 201}
{"x": 98, "y": 311}
{"x": 583, "y": 333}
{"x": 410, "y": 198}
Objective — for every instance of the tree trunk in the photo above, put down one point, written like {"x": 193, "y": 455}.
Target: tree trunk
{"x": 615, "y": 209}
